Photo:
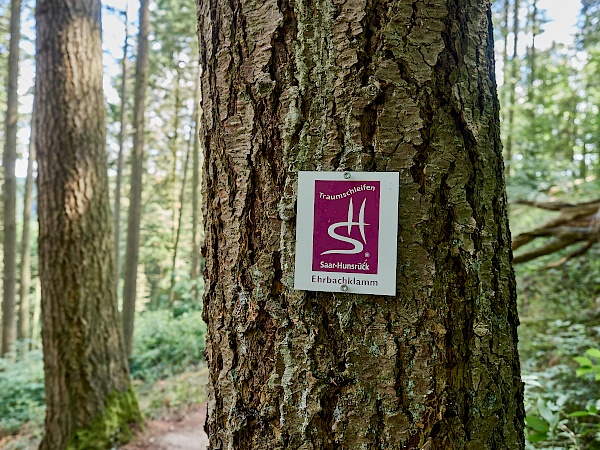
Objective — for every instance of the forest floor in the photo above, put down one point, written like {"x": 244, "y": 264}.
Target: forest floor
{"x": 175, "y": 410}
{"x": 176, "y": 432}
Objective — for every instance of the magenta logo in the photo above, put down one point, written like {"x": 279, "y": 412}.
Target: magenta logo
{"x": 346, "y": 226}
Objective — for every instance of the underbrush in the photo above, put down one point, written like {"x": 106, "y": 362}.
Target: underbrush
{"x": 22, "y": 388}
{"x": 166, "y": 367}
{"x": 164, "y": 345}
{"x": 173, "y": 395}
{"x": 560, "y": 322}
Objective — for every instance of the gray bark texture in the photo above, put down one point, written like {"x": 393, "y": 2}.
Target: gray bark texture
{"x": 89, "y": 400}
{"x": 364, "y": 85}
{"x": 9, "y": 192}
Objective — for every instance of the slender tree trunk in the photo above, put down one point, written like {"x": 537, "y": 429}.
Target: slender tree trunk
{"x": 512, "y": 87}
{"x": 371, "y": 85}
{"x": 122, "y": 119}
{"x": 178, "y": 226}
{"x": 9, "y": 328}
{"x": 37, "y": 308}
{"x": 137, "y": 162}
{"x": 196, "y": 198}
{"x": 174, "y": 145}
{"x": 535, "y": 29}
{"x": 25, "y": 284}
{"x": 89, "y": 399}
{"x": 505, "y": 63}
{"x": 583, "y": 169}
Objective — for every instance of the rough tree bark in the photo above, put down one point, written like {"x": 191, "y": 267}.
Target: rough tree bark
{"x": 373, "y": 85}
{"x": 9, "y": 328}
{"x": 137, "y": 168}
{"x": 89, "y": 399}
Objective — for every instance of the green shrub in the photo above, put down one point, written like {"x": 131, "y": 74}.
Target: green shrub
{"x": 164, "y": 345}
{"x": 22, "y": 397}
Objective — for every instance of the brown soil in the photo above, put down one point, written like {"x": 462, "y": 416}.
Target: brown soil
{"x": 173, "y": 433}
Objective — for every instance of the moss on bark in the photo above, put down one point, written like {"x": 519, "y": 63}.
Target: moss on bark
{"x": 113, "y": 426}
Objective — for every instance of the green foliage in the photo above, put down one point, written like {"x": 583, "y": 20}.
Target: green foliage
{"x": 586, "y": 366}
{"x": 164, "y": 345}
{"x": 559, "y": 310}
{"x": 166, "y": 348}
{"x": 22, "y": 397}
{"x": 549, "y": 425}
{"x": 544, "y": 423}
{"x": 174, "y": 393}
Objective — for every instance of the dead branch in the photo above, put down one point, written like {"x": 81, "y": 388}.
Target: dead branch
{"x": 575, "y": 223}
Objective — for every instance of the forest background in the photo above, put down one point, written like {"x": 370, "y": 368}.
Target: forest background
{"x": 547, "y": 68}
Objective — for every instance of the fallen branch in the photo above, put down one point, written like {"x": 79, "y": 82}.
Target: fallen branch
{"x": 576, "y": 223}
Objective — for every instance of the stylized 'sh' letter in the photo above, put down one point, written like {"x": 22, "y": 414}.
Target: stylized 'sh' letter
{"x": 358, "y": 246}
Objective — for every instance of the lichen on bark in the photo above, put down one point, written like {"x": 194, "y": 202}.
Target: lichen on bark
{"x": 373, "y": 85}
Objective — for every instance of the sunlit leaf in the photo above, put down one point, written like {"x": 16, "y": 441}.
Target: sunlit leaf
{"x": 537, "y": 424}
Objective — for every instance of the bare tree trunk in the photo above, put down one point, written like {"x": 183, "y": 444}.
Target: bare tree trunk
{"x": 512, "y": 86}
{"x": 23, "y": 331}
{"x": 9, "y": 328}
{"x": 535, "y": 29}
{"x": 137, "y": 162}
{"x": 505, "y": 63}
{"x": 176, "y": 202}
{"x": 363, "y": 85}
{"x": 196, "y": 198}
{"x": 37, "y": 308}
{"x": 178, "y": 226}
{"x": 174, "y": 146}
{"x": 122, "y": 120}
{"x": 89, "y": 399}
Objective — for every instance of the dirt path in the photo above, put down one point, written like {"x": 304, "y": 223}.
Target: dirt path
{"x": 179, "y": 433}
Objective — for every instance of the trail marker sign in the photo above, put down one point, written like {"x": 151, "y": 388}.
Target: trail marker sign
{"x": 347, "y": 232}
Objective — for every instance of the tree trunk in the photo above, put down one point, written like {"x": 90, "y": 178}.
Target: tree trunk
{"x": 179, "y": 216}
{"x": 177, "y": 197}
{"x": 174, "y": 147}
{"x": 25, "y": 284}
{"x": 37, "y": 308}
{"x": 9, "y": 329}
{"x": 137, "y": 162}
{"x": 505, "y": 63}
{"x": 512, "y": 87}
{"x": 122, "y": 120}
{"x": 196, "y": 198}
{"x": 364, "y": 85}
{"x": 535, "y": 29}
{"x": 89, "y": 399}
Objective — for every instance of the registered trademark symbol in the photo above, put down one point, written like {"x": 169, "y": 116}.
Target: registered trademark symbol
{"x": 367, "y": 255}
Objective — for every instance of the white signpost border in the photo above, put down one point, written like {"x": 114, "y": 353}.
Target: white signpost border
{"x": 382, "y": 283}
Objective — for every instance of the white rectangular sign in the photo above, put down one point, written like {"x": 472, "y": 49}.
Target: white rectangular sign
{"x": 347, "y": 232}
